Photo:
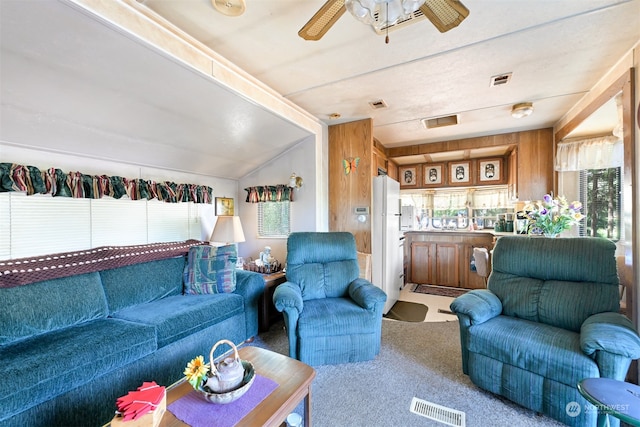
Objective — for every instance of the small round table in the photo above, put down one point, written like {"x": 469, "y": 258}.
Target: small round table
{"x": 616, "y": 398}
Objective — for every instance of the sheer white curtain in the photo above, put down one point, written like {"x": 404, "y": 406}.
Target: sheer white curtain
{"x": 450, "y": 200}
{"x": 590, "y": 153}
{"x": 490, "y": 198}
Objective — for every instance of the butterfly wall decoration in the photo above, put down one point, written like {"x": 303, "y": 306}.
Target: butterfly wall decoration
{"x": 350, "y": 164}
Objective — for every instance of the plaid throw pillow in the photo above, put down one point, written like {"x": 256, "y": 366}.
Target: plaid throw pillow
{"x": 210, "y": 270}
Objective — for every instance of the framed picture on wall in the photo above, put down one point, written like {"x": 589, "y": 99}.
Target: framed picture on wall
{"x": 489, "y": 170}
{"x": 224, "y": 206}
{"x": 433, "y": 174}
{"x": 408, "y": 176}
{"x": 460, "y": 173}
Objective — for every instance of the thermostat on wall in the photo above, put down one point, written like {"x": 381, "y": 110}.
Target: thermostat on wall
{"x": 361, "y": 210}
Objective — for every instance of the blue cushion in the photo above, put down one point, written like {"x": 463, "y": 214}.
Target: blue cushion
{"x": 36, "y": 369}
{"x": 322, "y": 264}
{"x": 568, "y": 259}
{"x": 50, "y": 305}
{"x": 335, "y": 316}
{"x": 141, "y": 283}
{"x": 548, "y": 351}
{"x": 210, "y": 270}
{"x": 179, "y": 316}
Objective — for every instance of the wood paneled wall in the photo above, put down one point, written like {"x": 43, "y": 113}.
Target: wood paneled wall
{"x": 534, "y": 158}
{"x": 347, "y": 141}
{"x": 347, "y": 191}
{"x": 535, "y": 164}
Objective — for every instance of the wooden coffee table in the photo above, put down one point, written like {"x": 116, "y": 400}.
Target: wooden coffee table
{"x": 294, "y": 380}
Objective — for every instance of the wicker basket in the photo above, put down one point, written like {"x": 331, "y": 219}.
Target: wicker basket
{"x": 236, "y": 393}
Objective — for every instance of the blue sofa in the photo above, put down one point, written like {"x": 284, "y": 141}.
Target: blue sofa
{"x": 549, "y": 318}
{"x": 70, "y": 346}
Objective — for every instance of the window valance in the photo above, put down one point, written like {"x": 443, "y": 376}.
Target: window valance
{"x": 592, "y": 153}
{"x": 53, "y": 181}
{"x": 269, "y": 193}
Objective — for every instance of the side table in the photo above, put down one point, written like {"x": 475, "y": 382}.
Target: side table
{"x": 267, "y": 313}
{"x": 616, "y": 398}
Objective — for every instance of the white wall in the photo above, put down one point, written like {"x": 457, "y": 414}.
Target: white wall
{"x": 305, "y": 210}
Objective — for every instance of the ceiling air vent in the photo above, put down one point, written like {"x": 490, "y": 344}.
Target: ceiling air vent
{"x": 438, "y": 122}
{"x": 500, "y": 80}
{"x": 376, "y": 105}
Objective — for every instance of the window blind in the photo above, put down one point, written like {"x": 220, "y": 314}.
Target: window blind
{"x": 167, "y": 222}
{"x": 118, "y": 222}
{"x": 273, "y": 219}
{"x": 41, "y": 224}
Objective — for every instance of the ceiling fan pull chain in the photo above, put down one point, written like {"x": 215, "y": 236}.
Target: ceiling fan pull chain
{"x": 386, "y": 39}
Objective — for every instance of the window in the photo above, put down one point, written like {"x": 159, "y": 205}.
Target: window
{"x": 274, "y": 219}
{"x": 41, "y": 224}
{"x": 600, "y": 194}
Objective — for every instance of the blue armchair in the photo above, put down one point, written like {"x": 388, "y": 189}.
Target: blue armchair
{"x": 330, "y": 314}
{"x": 549, "y": 318}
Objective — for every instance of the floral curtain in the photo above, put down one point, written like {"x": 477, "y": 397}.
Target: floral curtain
{"x": 591, "y": 153}
{"x": 269, "y": 193}
{"x": 53, "y": 181}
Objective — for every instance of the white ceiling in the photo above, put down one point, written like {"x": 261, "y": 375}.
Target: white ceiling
{"x": 67, "y": 74}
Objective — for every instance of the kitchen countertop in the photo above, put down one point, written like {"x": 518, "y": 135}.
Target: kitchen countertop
{"x": 470, "y": 232}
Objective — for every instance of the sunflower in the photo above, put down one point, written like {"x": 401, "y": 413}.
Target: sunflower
{"x": 195, "y": 371}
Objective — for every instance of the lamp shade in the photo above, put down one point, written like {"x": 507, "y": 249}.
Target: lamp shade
{"x": 228, "y": 229}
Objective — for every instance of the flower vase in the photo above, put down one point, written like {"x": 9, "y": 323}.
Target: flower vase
{"x": 551, "y": 235}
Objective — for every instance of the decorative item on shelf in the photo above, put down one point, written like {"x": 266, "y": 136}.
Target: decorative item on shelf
{"x": 228, "y": 229}
{"x": 550, "y": 216}
{"x": 223, "y": 382}
{"x": 258, "y": 266}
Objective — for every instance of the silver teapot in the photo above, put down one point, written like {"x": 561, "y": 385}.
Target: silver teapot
{"x": 226, "y": 375}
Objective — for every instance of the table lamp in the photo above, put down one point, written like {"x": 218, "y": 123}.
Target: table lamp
{"x": 228, "y": 229}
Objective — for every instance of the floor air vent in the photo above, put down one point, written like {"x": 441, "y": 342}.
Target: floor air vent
{"x": 438, "y": 413}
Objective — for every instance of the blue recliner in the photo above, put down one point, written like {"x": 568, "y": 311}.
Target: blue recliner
{"x": 549, "y": 318}
{"x": 331, "y": 315}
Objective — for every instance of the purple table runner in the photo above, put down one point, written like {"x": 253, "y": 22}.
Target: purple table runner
{"x": 193, "y": 410}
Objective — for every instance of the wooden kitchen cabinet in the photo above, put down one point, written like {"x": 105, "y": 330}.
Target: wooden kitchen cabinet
{"x": 447, "y": 269}
{"x": 435, "y": 263}
{"x": 444, "y": 258}
{"x": 470, "y": 278}
{"x": 421, "y": 260}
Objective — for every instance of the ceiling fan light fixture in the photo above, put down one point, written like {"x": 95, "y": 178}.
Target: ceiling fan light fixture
{"x": 382, "y": 13}
{"x": 229, "y": 7}
{"x": 521, "y": 110}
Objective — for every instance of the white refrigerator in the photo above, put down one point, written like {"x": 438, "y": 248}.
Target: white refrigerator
{"x": 387, "y": 242}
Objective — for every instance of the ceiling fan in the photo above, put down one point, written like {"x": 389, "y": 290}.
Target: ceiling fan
{"x": 444, "y": 14}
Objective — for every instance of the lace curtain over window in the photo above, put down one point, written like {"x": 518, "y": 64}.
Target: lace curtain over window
{"x": 53, "y": 181}
{"x": 592, "y": 153}
{"x": 450, "y": 200}
{"x": 490, "y": 198}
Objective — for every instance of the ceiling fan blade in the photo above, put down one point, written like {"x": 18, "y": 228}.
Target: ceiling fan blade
{"x": 444, "y": 14}
{"x": 324, "y": 19}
